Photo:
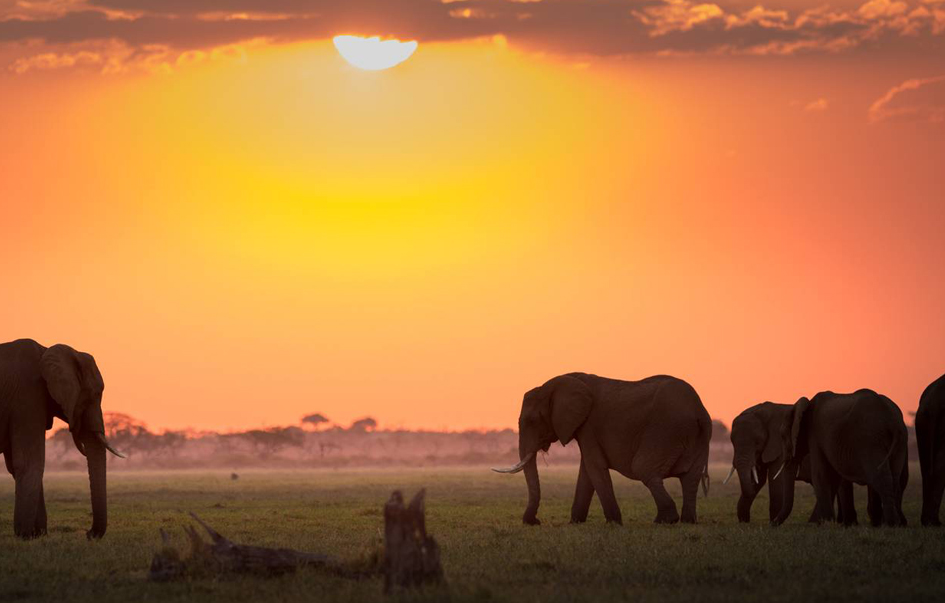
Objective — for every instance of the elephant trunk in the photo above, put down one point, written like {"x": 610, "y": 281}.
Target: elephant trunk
{"x": 95, "y": 454}
{"x": 534, "y": 487}
{"x": 787, "y": 492}
{"x": 748, "y": 480}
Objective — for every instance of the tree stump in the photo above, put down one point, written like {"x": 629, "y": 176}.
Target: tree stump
{"x": 411, "y": 558}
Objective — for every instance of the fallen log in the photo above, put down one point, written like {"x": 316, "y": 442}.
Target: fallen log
{"x": 223, "y": 556}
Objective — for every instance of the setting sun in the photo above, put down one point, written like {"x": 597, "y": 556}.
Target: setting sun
{"x": 373, "y": 54}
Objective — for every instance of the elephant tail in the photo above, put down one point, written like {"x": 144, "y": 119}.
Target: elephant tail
{"x": 897, "y": 437}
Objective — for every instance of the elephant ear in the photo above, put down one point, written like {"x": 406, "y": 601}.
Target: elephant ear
{"x": 774, "y": 447}
{"x": 60, "y": 371}
{"x": 800, "y": 407}
{"x": 570, "y": 405}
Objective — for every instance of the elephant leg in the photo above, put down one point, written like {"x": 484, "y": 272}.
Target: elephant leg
{"x": 847, "y": 509}
{"x": 814, "y": 515}
{"x": 599, "y": 475}
{"x": 665, "y": 505}
{"x": 886, "y": 488}
{"x": 902, "y": 482}
{"x": 41, "y": 513}
{"x": 874, "y": 507}
{"x": 583, "y": 493}
{"x": 825, "y": 481}
{"x": 932, "y": 501}
{"x": 690, "y": 493}
{"x": 28, "y": 448}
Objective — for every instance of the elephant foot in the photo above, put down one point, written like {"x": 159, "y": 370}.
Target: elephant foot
{"x": 529, "y": 520}
{"x": 688, "y": 519}
{"x": 667, "y": 518}
{"x": 616, "y": 521}
{"x": 578, "y": 519}
{"x": 931, "y": 522}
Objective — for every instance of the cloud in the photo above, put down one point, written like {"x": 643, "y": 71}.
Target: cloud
{"x": 921, "y": 100}
{"x": 586, "y": 27}
{"x": 819, "y": 105}
{"x": 52, "y": 60}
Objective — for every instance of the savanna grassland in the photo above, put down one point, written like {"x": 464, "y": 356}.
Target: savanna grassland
{"x": 488, "y": 555}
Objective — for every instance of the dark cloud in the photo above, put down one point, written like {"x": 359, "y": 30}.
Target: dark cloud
{"x": 594, "y": 27}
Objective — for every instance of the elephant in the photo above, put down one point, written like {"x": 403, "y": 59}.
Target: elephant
{"x": 860, "y": 438}
{"x": 646, "y": 430}
{"x": 930, "y": 436}
{"x": 37, "y": 384}
{"x": 756, "y": 438}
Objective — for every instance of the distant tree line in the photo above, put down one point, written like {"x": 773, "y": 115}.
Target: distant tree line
{"x": 316, "y": 442}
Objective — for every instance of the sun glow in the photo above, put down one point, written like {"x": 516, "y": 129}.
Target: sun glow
{"x": 373, "y": 54}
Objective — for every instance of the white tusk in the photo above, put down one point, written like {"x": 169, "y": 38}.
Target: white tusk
{"x": 730, "y": 473}
{"x": 778, "y": 473}
{"x": 516, "y": 468}
{"x": 754, "y": 475}
{"x": 101, "y": 437}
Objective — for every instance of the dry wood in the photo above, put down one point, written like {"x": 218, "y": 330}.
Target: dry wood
{"x": 411, "y": 558}
{"x": 224, "y": 556}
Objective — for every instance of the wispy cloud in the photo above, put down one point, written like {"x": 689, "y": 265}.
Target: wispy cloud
{"x": 588, "y": 27}
{"x": 912, "y": 100}
{"x": 821, "y": 104}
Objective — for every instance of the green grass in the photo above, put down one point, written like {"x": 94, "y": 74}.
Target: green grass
{"x": 488, "y": 555}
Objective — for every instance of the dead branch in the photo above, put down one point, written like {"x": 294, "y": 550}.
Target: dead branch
{"x": 224, "y": 556}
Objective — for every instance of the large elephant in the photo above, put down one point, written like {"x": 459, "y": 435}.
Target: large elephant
{"x": 37, "y": 384}
{"x": 647, "y": 430}
{"x": 759, "y": 458}
{"x": 930, "y": 438}
{"x": 860, "y": 438}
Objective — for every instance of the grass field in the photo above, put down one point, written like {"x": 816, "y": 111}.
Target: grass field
{"x": 488, "y": 555}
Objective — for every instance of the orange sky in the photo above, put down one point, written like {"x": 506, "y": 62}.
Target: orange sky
{"x": 243, "y": 229}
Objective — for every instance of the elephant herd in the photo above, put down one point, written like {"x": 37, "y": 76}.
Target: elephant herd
{"x": 647, "y": 430}
{"x": 657, "y": 428}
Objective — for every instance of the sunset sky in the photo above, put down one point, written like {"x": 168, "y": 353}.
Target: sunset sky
{"x": 243, "y": 228}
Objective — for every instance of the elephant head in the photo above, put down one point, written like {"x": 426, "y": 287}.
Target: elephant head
{"x": 76, "y": 385}
{"x": 550, "y": 413}
{"x": 756, "y": 438}
{"x": 794, "y": 442}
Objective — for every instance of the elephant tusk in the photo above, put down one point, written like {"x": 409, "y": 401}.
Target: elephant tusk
{"x": 108, "y": 447}
{"x": 516, "y": 468}
{"x": 729, "y": 476}
{"x": 754, "y": 475}
{"x": 778, "y": 473}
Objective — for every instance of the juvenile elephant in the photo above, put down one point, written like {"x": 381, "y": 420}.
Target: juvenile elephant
{"x": 37, "y": 384}
{"x": 930, "y": 438}
{"x": 759, "y": 458}
{"x": 646, "y": 430}
{"x": 860, "y": 438}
